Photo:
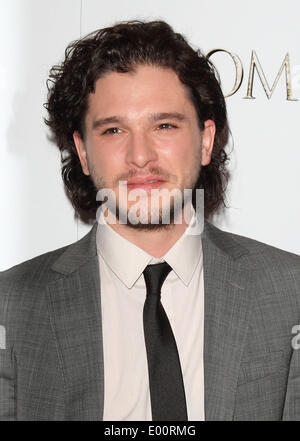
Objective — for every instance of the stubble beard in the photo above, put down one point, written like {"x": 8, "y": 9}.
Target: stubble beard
{"x": 153, "y": 219}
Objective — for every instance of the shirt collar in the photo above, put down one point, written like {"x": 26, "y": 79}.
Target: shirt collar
{"x": 184, "y": 255}
{"x": 128, "y": 261}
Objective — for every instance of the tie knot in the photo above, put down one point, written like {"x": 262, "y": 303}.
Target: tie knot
{"x": 155, "y": 275}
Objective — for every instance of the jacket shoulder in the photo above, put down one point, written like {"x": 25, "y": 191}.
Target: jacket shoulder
{"x": 250, "y": 249}
{"x": 260, "y": 251}
{"x": 49, "y": 266}
{"x": 32, "y": 270}
{"x": 270, "y": 270}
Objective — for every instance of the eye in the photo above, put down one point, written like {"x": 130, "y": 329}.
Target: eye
{"x": 167, "y": 126}
{"x": 112, "y": 130}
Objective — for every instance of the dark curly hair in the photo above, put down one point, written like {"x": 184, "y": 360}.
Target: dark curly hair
{"x": 121, "y": 48}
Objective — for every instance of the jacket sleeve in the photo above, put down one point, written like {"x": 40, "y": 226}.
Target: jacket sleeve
{"x": 7, "y": 369}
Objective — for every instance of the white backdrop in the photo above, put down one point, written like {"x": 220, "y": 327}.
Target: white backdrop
{"x": 263, "y": 195}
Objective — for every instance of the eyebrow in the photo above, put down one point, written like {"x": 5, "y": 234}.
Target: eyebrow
{"x": 154, "y": 117}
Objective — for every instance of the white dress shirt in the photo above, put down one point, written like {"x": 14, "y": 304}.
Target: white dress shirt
{"x": 123, "y": 293}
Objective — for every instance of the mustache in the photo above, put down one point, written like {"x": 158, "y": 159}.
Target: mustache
{"x": 151, "y": 171}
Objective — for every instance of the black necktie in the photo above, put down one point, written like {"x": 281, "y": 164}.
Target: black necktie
{"x": 165, "y": 377}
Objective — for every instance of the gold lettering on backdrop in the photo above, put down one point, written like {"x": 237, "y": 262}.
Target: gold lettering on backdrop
{"x": 239, "y": 71}
{"x": 255, "y": 64}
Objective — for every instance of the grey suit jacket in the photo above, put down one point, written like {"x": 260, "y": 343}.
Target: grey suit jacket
{"x": 51, "y": 353}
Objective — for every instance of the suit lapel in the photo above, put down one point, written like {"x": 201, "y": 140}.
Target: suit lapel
{"x": 227, "y": 308}
{"x": 75, "y": 313}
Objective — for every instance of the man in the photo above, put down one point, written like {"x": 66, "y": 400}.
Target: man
{"x": 144, "y": 319}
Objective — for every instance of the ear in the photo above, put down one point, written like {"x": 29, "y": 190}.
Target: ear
{"x": 208, "y": 137}
{"x": 81, "y": 151}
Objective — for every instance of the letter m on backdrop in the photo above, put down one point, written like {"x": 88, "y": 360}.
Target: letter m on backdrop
{"x": 255, "y": 64}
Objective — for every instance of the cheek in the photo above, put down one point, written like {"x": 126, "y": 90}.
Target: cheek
{"x": 183, "y": 154}
{"x": 101, "y": 158}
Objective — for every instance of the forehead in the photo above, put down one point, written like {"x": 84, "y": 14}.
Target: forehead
{"x": 148, "y": 88}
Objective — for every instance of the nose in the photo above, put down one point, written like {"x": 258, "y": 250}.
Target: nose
{"x": 140, "y": 150}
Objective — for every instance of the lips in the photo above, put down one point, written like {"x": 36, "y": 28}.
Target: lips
{"x": 147, "y": 183}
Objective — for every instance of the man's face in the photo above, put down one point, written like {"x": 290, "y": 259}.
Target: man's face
{"x": 142, "y": 127}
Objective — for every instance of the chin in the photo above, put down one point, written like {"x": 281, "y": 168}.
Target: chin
{"x": 148, "y": 220}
